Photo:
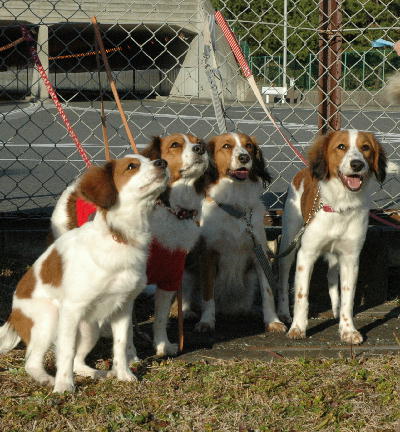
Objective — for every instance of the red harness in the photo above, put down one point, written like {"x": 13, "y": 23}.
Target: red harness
{"x": 164, "y": 266}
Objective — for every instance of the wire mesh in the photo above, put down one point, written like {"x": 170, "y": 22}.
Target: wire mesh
{"x": 155, "y": 50}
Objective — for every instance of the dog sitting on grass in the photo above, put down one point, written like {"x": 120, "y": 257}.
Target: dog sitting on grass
{"x": 88, "y": 275}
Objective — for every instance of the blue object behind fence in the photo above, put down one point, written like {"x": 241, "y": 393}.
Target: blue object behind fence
{"x": 381, "y": 43}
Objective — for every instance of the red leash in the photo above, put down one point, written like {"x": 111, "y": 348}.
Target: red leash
{"x": 28, "y": 37}
{"x": 237, "y": 52}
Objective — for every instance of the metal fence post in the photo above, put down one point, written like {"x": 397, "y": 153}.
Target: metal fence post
{"x": 329, "y": 68}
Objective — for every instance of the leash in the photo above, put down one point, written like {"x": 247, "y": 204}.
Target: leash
{"x": 52, "y": 93}
{"x": 113, "y": 85}
{"x": 212, "y": 72}
{"x": 237, "y": 52}
{"x": 102, "y": 113}
{"x": 258, "y": 250}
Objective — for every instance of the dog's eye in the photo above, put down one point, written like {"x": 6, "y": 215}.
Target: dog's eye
{"x": 132, "y": 166}
{"x": 341, "y": 147}
{"x": 226, "y": 146}
{"x": 249, "y": 146}
{"x": 365, "y": 147}
{"x": 175, "y": 145}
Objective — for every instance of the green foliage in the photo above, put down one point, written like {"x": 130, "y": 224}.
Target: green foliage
{"x": 260, "y": 24}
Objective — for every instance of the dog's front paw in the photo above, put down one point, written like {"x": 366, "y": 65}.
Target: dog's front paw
{"x": 166, "y": 348}
{"x": 296, "y": 333}
{"x": 64, "y": 386}
{"x": 122, "y": 375}
{"x": 276, "y": 327}
{"x": 204, "y": 327}
{"x": 86, "y": 371}
{"x": 351, "y": 337}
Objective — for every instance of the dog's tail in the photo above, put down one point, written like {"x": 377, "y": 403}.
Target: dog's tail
{"x": 392, "y": 89}
{"x": 9, "y": 338}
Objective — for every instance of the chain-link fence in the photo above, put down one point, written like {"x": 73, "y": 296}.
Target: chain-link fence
{"x": 156, "y": 52}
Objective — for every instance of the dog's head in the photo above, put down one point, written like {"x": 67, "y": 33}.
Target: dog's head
{"x": 350, "y": 155}
{"x": 237, "y": 156}
{"x": 186, "y": 155}
{"x": 124, "y": 181}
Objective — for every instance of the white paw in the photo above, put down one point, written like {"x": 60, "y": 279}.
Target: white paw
{"x": 49, "y": 381}
{"x": 351, "y": 337}
{"x": 166, "y": 348}
{"x": 64, "y": 386}
{"x": 122, "y": 375}
{"x": 276, "y": 327}
{"x": 41, "y": 377}
{"x": 296, "y": 333}
{"x": 204, "y": 327}
{"x": 86, "y": 371}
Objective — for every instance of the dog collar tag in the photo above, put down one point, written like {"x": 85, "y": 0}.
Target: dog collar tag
{"x": 328, "y": 209}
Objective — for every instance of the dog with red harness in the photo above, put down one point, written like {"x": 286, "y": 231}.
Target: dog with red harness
{"x": 89, "y": 275}
{"x": 173, "y": 223}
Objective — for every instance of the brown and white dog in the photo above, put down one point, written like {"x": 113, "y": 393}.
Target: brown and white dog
{"x": 333, "y": 193}
{"x": 88, "y": 275}
{"x": 174, "y": 222}
{"x": 228, "y": 270}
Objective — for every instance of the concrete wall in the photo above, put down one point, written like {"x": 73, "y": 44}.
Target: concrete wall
{"x": 189, "y": 78}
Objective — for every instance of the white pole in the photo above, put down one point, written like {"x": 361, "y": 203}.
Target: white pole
{"x": 284, "y": 73}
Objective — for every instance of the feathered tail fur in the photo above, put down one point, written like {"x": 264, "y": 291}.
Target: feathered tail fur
{"x": 8, "y": 338}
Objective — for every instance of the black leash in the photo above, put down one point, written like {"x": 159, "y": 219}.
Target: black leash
{"x": 262, "y": 258}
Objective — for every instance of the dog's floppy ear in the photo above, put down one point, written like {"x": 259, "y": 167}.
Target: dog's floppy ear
{"x": 317, "y": 157}
{"x": 97, "y": 186}
{"x": 258, "y": 168}
{"x": 201, "y": 183}
{"x": 380, "y": 160}
{"x": 211, "y": 173}
{"x": 153, "y": 149}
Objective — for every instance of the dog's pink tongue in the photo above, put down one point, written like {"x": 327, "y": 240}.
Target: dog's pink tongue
{"x": 241, "y": 174}
{"x": 353, "y": 182}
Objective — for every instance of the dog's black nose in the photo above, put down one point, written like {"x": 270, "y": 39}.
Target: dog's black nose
{"x": 199, "y": 148}
{"x": 244, "y": 158}
{"x": 357, "y": 165}
{"x": 161, "y": 163}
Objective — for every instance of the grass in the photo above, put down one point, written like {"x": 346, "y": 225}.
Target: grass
{"x": 171, "y": 395}
{"x": 288, "y": 395}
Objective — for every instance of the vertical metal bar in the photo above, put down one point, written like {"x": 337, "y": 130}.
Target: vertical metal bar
{"x": 285, "y": 40}
{"x": 329, "y": 67}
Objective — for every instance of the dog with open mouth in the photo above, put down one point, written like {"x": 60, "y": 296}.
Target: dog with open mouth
{"x": 222, "y": 269}
{"x": 331, "y": 197}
